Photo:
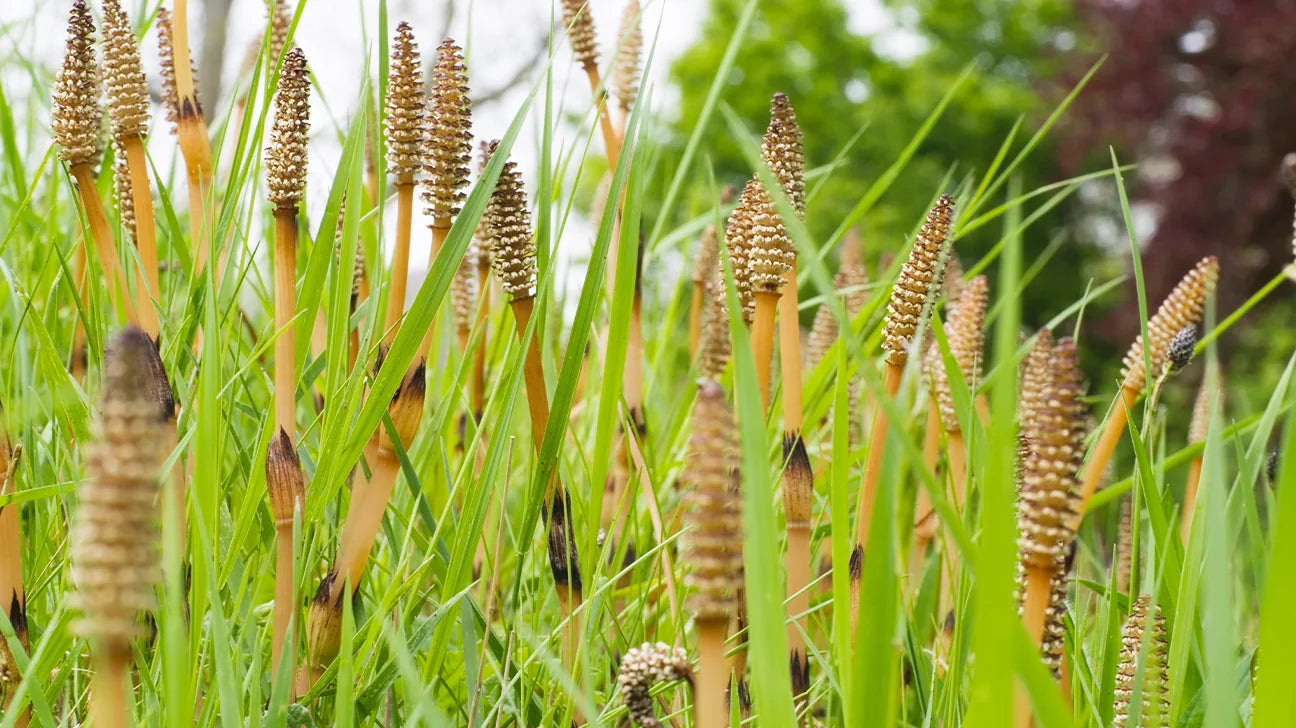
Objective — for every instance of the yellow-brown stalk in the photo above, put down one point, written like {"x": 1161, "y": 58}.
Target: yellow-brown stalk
{"x": 287, "y": 490}
{"x": 185, "y": 113}
{"x": 770, "y": 256}
{"x": 128, "y": 112}
{"x": 1196, "y": 433}
{"x": 447, "y": 150}
{"x": 712, "y": 545}
{"x": 13, "y": 596}
{"x": 285, "y": 164}
{"x": 580, "y": 33}
{"x": 1185, "y": 305}
{"x": 910, "y": 297}
{"x": 76, "y": 124}
{"x": 115, "y": 536}
{"x": 403, "y": 123}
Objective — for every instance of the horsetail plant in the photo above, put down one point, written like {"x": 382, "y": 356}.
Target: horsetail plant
{"x": 579, "y": 21}
{"x": 1196, "y": 435}
{"x": 909, "y": 304}
{"x": 1183, "y": 306}
{"x": 13, "y": 595}
{"x": 286, "y": 486}
{"x": 447, "y": 152}
{"x": 128, "y": 112}
{"x": 188, "y": 123}
{"x": 115, "y": 536}
{"x": 642, "y": 668}
{"x": 713, "y": 545}
{"x": 403, "y": 123}
{"x": 1143, "y": 644}
{"x": 627, "y": 65}
{"x": 285, "y": 164}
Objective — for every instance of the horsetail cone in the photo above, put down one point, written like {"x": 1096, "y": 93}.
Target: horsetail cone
{"x": 1179, "y": 352}
{"x": 645, "y": 666}
{"x": 115, "y": 538}
{"x": 966, "y": 336}
{"x": 128, "y": 96}
{"x": 286, "y": 156}
{"x": 447, "y": 152}
{"x": 770, "y": 253}
{"x": 580, "y": 32}
{"x": 952, "y": 279}
{"x": 713, "y": 347}
{"x": 626, "y": 67}
{"x": 1053, "y": 644}
{"x": 849, "y": 284}
{"x": 124, "y": 190}
{"x": 713, "y": 541}
{"x": 708, "y": 255}
{"x": 738, "y": 238}
{"x": 403, "y": 110}
{"x": 284, "y": 480}
{"x": 1201, "y": 412}
{"x": 77, "y": 119}
{"x": 913, "y": 289}
{"x": 280, "y": 23}
{"x": 1155, "y": 705}
{"x": 513, "y": 252}
{"x": 1057, "y": 450}
{"x": 781, "y": 151}
{"x": 324, "y": 623}
{"x": 1034, "y": 382}
{"x": 1185, "y": 305}
{"x": 463, "y": 290}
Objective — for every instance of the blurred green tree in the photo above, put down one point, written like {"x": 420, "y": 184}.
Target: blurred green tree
{"x": 887, "y": 83}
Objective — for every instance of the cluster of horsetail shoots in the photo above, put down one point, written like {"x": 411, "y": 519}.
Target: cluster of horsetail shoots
{"x": 77, "y": 119}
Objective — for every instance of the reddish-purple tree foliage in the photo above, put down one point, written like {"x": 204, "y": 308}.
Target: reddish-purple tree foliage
{"x": 1202, "y": 93}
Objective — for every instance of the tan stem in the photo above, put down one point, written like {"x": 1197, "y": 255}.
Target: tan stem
{"x": 285, "y": 307}
{"x": 198, "y": 188}
{"x": 1039, "y": 585}
{"x": 1102, "y": 453}
{"x": 400, "y": 258}
{"x": 713, "y": 676}
{"x": 695, "y": 316}
{"x": 790, "y": 352}
{"x": 105, "y": 248}
{"x": 537, "y": 395}
{"x": 957, "y": 453}
{"x": 78, "y": 331}
{"x": 1190, "y": 498}
{"x": 360, "y": 531}
{"x": 924, "y": 514}
{"x": 478, "y": 397}
{"x": 145, "y": 234}
{"x": 440, "y": 229}
{"x": 762, "y": 337}
{"x": 873, "y": 466}
{"x": 611, "y": 142}
{"x": 109, "y": 706}
{"x": 285, "y": 602}
{"x": 798, "y": 581}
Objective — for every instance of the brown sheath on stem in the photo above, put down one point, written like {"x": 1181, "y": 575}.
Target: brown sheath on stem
{"x": 285, "y": 299}
{"x": 287, "y": 494}
{"x": 185, "y": 112}
{"x": 798, "y": 496}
